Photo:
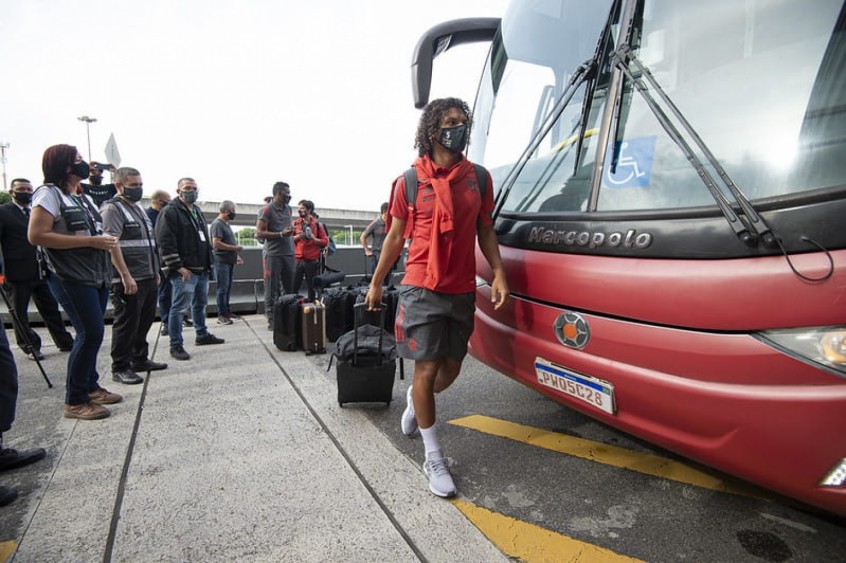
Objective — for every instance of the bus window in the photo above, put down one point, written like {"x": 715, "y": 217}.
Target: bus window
{"x": 526, "y": 74}
{"x": 757, "y": 79}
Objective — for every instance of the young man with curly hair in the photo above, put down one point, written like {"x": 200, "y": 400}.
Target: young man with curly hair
{"x": 437, "y": 300}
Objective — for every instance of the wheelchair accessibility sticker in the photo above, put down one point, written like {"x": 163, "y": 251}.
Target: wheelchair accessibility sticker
{"x": 634, "y": 163}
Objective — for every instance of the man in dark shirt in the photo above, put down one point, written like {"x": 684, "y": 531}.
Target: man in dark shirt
{"x": 24, "y": 279}
{"x": 377, "y": 230}
{"x": 226, "y": 250}
{"x": 96, "y": 189}
{"x": 158, "y": 200}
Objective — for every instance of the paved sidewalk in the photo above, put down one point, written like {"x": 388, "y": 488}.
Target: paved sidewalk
{"x": 240, "y": 454}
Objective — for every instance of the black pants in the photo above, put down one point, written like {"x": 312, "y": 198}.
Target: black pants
{"x": 307, "y": 269}
{"x": 8, "y": 383}
{"x": 48, "y": 308}
{"x": 133, "y": 317}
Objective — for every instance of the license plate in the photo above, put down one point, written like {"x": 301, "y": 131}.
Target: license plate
{"x": 595, "y": 392}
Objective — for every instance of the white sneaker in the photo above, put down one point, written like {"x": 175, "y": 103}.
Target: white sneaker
{"x": 408, "y": 422}
{"x": 440, "y": 481}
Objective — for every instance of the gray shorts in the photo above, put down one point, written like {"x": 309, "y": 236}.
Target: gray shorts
{"x": 432, "y": 325}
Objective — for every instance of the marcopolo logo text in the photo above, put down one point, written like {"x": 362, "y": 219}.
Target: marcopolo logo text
{"x": 591, "y": 239}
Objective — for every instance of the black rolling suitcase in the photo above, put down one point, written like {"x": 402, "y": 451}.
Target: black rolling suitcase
{"x": 313, "y": 323}
{"x": 287, "y": 332}
{"x": 367, "y": 364}
{"x": 388, "y": 315}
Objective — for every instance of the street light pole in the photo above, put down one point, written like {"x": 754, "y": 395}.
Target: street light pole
{"x": 350, "y": 227}
{"x": 3, "y": 147}
{"x": 88, "y": 121}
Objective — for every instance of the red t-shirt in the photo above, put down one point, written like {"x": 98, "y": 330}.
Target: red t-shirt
{"x": 309, "y": 249}
{"x": 468, "y": 209}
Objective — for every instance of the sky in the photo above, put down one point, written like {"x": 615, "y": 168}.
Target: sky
{"x": 237, "y": 94}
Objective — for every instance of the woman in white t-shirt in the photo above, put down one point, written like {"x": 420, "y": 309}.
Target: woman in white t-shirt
{"x": 68, "y": 226}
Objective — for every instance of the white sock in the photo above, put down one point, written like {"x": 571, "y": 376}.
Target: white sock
{"x": 430, "y": 439}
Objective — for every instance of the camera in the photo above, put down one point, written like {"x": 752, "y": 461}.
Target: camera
{"x": 307, "y": 232}
{"x": 101, "y": 167}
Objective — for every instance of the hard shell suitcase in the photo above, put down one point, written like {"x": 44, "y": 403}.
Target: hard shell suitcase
{"x": 287, "y": 334}
{"x": 367, "y": 376}
{"x": 313, "y": 322}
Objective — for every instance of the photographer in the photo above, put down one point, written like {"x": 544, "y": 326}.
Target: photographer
{"x": 310, "y": 238}
{"x": 96, "y": 189}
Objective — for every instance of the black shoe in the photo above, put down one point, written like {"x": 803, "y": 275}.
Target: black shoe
{"x": 233, "y": 316}
{"x": 7, "y": 495}
{"x": 164, "y": 330}
{"x": 187, "y": 322}
{"x": 148, "y": 365}
{"x": 178, "y": 353}
{"x": 208, "y": 339}
{"x": 35, "y": 355}
{"x": 65, "y": 344}
{"x": 11, "y": 459}
{"x": 127, "y": 377}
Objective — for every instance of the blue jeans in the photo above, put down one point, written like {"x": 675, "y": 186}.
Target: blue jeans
{"x": 85, "y": 306}
{"x": 194, "y": 292}
{"x": 223, "y": 274}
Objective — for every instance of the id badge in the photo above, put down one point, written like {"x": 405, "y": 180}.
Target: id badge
{"x": 202, "y": 235}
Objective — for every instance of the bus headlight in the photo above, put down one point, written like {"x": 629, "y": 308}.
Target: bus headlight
{"x": 822, "y": 345}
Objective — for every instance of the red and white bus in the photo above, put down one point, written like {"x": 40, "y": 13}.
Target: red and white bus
{"x": 671, "y": 211}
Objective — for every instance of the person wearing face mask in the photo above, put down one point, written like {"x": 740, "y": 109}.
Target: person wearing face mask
{"x": 226, "y": 256}
{"x": 24, "y": 277}
{"x": 135, "y": 277}
{"x": 186, "y": 253}
{"x": 95, "y": 188}
{"x": 437, "y": 301}
{"x": 274, "y": 226}
{"x": 310, "y": 238}
{"x": 68, "y": 227}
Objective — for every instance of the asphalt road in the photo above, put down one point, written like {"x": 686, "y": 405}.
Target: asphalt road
{"x": 593, "y": 503}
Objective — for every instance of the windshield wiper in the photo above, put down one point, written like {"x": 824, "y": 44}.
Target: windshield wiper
{"x": 754, "y": 227}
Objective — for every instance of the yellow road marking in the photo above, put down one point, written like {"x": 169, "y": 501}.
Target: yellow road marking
{"x": 533, "y": 544}
{"x": 7, "y": 548}
{"x": 609, "y": 455}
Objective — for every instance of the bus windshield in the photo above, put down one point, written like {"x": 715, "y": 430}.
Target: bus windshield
{"x": 768, "y": 99}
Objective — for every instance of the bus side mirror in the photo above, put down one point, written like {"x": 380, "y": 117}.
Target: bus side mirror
{"x": 437, "y": 40}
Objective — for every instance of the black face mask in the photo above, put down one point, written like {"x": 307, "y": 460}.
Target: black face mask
{"x": 231, "y": 215}
{"x": 81, "y": 170}
{"x": 133, "y": 194}
{"x": 454, "y": 138}
{"x": 22, "y": 198}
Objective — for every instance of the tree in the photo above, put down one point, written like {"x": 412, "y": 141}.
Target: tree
{"x": 246, "y": 236}
{"x": 5, "y": 197}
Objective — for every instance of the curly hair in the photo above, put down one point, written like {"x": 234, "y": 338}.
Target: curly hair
{"x": 430, "y": 121}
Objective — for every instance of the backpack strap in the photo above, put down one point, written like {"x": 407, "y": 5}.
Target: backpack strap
{"x": 481, "y": 178}
{"x": 410, "y": 177}
{"x": 411, "y": 183}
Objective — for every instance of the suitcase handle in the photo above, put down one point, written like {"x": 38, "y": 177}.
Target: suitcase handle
{"x": 356, "y": 307}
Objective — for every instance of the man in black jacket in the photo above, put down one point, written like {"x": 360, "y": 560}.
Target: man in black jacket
{"x": 23, "y": 275}
{"x": 186, "y": 255}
